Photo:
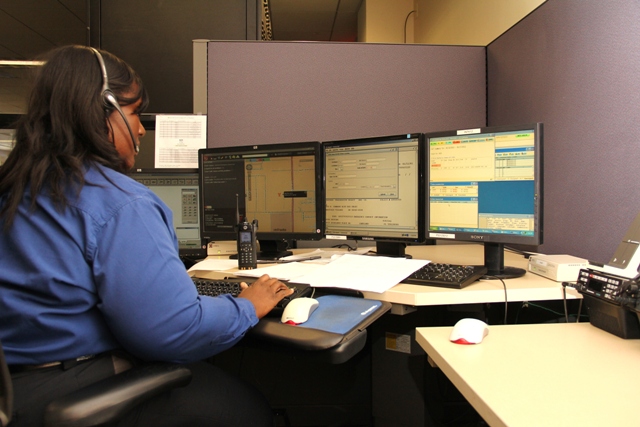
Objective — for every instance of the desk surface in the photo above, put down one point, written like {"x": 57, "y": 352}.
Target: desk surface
{"x": 542, "y": 375}
{"x": 530, "y": 287}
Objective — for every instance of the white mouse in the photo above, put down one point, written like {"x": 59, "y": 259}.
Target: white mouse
{"x": 298, "y": 310}
{"x": 469, "y": 331}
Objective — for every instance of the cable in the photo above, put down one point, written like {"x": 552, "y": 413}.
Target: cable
{"x": 525, "y": 254}
{"x": 553, "y": 311}
{"x": 342, "y": 245}
{"x": 506, "y": 300}
{"x": 405, "y": 25}
{"x": 579, "y": 311}
{"x": 564, "y": 301}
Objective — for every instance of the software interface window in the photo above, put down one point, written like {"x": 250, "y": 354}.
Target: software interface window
{"x": 371, "y": 189}
{"x": 277, "y": 189}
{"x": 179, "y": 191}
{"x": 482, "y": 183}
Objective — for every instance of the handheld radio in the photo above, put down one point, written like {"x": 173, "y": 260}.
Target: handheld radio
{"x": 247, "y": 242}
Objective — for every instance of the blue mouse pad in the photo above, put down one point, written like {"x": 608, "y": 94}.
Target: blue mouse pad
{"x": 340, "y": 314}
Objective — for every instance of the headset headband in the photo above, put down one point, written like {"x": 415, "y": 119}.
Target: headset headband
{"x": 109, "y": 99}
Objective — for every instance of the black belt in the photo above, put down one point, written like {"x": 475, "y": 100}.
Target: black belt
{"x": 61, "y": 364}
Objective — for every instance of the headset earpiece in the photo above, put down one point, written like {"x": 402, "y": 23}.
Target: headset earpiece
{"x": 109, "y": 100}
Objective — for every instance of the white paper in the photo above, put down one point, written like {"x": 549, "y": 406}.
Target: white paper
{"x": 362, "y": 272}
{"x": 322, "y": 255}
{"x": 178, "y": 139}
{"x": 215, "y": 264}
{"x": 288, "y": 271}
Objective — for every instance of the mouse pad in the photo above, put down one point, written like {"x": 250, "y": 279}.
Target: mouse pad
{"x": 340, "y": 314}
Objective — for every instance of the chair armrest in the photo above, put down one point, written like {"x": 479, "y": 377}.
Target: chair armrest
{"x": 111, "y": 398}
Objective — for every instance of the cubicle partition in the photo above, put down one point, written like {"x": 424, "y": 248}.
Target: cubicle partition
{"x": 270, "y": 92}
{"x": 571, "y": 64}
{"x": 575, "y": 65}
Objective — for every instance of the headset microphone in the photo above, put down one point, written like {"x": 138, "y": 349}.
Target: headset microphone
{"x": 109, "y": 99}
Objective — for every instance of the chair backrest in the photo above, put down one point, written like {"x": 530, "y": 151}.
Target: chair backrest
{"x": 6, "y": 391}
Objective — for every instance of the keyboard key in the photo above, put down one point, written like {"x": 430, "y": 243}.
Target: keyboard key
{"x": 214, "y": 288}
{"x": 446, "y": 275}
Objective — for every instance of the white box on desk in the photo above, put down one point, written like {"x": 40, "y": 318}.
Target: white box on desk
{"x": 225, "y": 247}
{"x": 561, "y": 268}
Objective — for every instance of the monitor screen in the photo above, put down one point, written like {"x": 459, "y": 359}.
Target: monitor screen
{"x": 279, "y": 185}
{"x": 485, "y": 185}
{"x": 374, "y": 190}
{"x": 178, "y": 189}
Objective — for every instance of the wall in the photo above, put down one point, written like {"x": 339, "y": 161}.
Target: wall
{"x": 575, "y": 66}
{"x": 384, "y": 21}
{"x": 155, "y": 37}
{"x": 467, "y": 22}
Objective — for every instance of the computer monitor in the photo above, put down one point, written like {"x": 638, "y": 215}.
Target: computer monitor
{"x": 374, "y": 191}
{"x": 178, "y": 189}
{"x": 279, "y": 185}
{"x": 485, "y": 185}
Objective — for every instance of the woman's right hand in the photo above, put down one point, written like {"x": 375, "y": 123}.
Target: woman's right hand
{"x": 264, "y": 294}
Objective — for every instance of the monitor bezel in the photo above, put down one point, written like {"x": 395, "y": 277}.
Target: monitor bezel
{"x": 262, "y": 235}
{"x": 191, "y": 254}
{"x": 381, "y": 241}
{"x": 478, "y": 237}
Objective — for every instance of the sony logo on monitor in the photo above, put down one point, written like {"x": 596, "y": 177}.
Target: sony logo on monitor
{"x": 474, "y": 237}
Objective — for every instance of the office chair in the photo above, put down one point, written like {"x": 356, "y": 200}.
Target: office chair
{"x": 6, "y": 391}
{"x": 102, "y": 402}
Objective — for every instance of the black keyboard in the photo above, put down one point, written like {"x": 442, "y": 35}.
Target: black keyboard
{"x": 214, "y": 288}
{"x": 446, "y": 275}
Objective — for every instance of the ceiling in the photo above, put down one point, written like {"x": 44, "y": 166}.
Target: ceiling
{"x": 315, "y": 20}
{"x": 30, "y": 27}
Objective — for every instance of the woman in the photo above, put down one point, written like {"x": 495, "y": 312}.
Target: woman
{"x": 89, "y": 264}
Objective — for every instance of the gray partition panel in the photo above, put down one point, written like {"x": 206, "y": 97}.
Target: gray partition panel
{"x": 269, "y": 92}
{"x": 575, "y": 65}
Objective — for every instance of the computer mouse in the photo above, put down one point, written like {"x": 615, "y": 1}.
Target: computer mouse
{"x": 469, "y": 331}
{"x": 298, "y": 310}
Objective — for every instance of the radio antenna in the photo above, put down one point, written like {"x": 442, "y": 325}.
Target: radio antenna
{"x": 237, "y": 210}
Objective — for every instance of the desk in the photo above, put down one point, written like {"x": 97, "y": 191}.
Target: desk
{"x": 530, "y": 287}
{"x": 406, "y": 371}
{"x": 542, "y": 375}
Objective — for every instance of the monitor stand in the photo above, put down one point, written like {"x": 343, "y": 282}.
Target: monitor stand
{"x": 270, "y": 250}
{"x": 273, "y": 249}
{"x": 494, "y": 261}
{"x": 392, "y": 249}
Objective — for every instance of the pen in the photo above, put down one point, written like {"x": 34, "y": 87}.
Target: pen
{"x": 300, "y": 259}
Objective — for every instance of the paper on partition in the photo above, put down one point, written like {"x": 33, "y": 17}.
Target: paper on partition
{"x": 363, "y": 273}
{"x": 178, "y": 138}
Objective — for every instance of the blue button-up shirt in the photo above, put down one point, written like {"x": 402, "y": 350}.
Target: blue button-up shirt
{"x": 104, "y": 273}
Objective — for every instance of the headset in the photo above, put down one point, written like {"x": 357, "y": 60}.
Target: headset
{"x": 109, "y": 99}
